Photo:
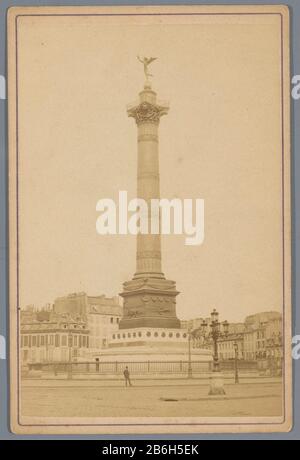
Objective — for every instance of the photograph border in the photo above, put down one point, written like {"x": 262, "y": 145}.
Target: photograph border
{"x": 18, "y": 425}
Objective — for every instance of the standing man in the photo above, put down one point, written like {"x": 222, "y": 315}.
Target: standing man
{"x": 127, "y": 377}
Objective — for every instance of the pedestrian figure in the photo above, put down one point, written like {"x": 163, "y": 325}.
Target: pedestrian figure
{"x": 127, "y": 377}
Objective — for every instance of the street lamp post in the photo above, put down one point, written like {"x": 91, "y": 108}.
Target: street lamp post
{"x": 236, "y": 373}
{"x": 190, "y": 372}
{"x": 215, "y": 335}
{"x": 70, "y": 354}
{"x": 216, "y": 379}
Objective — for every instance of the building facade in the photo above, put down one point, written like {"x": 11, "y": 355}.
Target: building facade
{"x": 61, "y": 339}
{"x": 259, "y": 339}
{"x": 103, "y": 318}
{"x": 74, "y": 327}
{"x": 262, "y": 332}
{"x": 226, "y": 346}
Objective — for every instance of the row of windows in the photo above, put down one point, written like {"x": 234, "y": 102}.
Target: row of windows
{"x": 227, "y": 345}
{"x": 260, "y": 334}
{"x": 104, "y": 319}
{"x": 54, "y": 340}
{"x": 148, "y": 334}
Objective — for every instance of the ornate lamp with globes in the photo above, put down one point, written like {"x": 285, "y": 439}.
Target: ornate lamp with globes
{"x": 216, "y": 377}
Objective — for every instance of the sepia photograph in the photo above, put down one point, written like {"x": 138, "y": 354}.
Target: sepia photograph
{"x": 149, "y": 219}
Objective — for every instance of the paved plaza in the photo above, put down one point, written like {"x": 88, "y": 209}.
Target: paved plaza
{"x": 75, "y": 398}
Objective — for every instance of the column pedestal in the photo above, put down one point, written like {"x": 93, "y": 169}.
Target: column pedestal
{"x": 149, "y": 302}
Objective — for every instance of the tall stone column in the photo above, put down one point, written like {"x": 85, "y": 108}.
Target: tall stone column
{"x": 149, "y": 298}
{"x": 147, "y": 116}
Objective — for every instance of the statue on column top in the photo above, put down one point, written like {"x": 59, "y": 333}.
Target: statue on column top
{"x": 147, "y": 61}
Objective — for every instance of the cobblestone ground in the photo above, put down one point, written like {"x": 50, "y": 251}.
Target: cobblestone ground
{"x": 156, "y": 399}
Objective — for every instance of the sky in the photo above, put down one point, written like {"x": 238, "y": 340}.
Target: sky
{"x": 220, "y": 142}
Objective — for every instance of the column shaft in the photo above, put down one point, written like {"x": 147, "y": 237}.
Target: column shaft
{"x": 148, "y": 257}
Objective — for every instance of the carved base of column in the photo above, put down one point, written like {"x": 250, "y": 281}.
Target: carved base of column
{"x": 149, "y": 302}
{"x": 158, "y": 321}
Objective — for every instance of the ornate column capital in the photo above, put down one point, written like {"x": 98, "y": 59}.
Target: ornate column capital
{"x": 146, "y": 112}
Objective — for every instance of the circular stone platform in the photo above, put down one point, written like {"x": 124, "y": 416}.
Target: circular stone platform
{"x": 155, "y": 345}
